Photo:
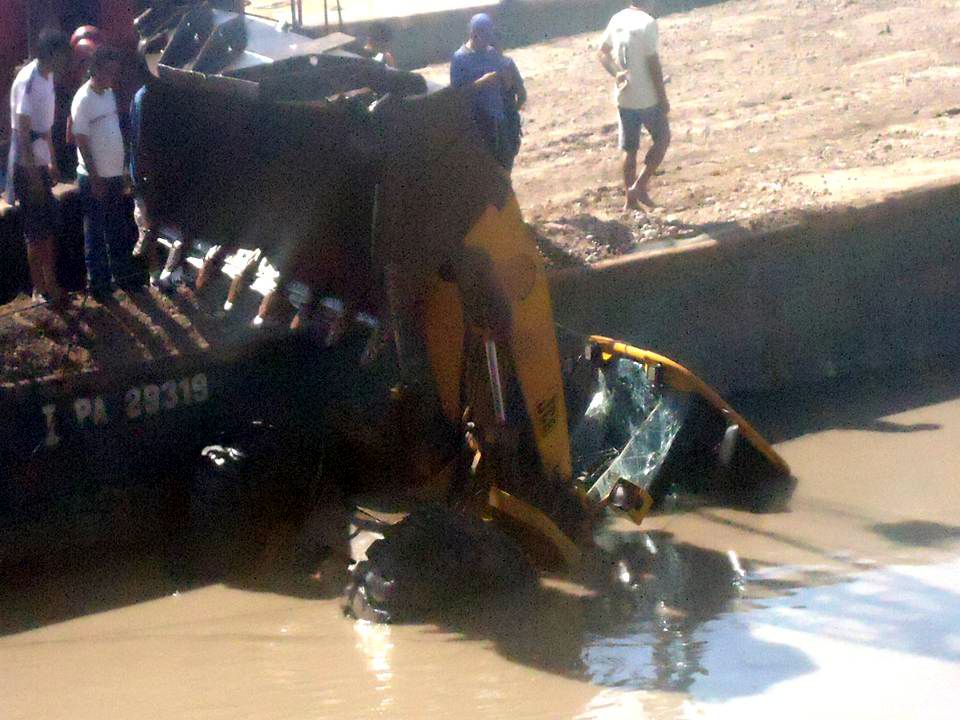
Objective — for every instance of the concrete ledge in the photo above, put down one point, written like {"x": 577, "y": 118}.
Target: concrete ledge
{"x": 847, "y": 290}
{"x": 429, "y": 38}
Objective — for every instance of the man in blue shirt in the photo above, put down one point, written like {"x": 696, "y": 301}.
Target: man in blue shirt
{"x": 479, "y": 62}
{"x": 147, "y": 234}
{"x": 146, "y": 246}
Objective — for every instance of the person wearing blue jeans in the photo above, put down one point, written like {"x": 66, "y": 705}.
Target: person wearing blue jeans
{"x": 96, "y": 127}
{"x": 106, "y": 240}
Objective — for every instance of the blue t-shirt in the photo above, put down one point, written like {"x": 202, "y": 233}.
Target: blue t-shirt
{"x": 470, "y": 65}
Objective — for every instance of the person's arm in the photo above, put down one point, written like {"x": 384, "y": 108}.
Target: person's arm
{"x": 651, "y": 41}
{"x": 487, "y": 79}
{"x": 458, "y": 74}
{"x": 81, "y": 133}
{"x": 389, "y": 60}
{"x": 53, "y": 168}
{"x": 25, "y": 157}
{"x": 97, "y": 186}
{"x": 23, "y": 108}
{"x": 605, "y": 56}
{"x": 23, "y": 124}
{"x": 24, "y": 144}
{"x": 519, "y": 89}
{"x": 83, "y": 145}
{"x": 656, "y": 74}
{"x": 137, "y": 165}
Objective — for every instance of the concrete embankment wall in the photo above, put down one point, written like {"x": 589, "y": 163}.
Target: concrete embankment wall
{"x": 433, "y": 37}
{"x": 837, "y": 293}
{"x": 843, "y": 291}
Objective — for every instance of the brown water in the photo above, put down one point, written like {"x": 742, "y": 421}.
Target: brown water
{"x": 848, "y": 606}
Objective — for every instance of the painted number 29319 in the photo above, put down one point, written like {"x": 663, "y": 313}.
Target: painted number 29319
{"x": 148, "y": 400}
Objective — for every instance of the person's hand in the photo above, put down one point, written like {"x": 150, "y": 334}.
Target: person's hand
{"x": 665, "y": 106}
{"x": 623, "y": 79}
{"x": 485, "y": 80}
{"x": 54, "y": 173}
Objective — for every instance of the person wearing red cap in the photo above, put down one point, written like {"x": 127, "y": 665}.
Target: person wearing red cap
{"x": 90, "y": 33}
{"x": 100, "y": 155}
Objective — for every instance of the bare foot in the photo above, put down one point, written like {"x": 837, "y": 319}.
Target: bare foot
{"x": 635, "y": 196}
{"x": 642, "y": 196}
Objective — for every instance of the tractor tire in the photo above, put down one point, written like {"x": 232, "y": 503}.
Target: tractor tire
{"x": 431, "y": 559}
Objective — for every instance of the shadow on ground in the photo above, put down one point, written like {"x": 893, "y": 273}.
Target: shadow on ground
{"x": 919, "y": 533}
{"x": 586, "y": 238}
{"x": 863, "y": 402}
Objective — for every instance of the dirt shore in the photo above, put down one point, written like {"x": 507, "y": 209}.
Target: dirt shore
{"x": 41, "y": 342}
{"x": 779, "y": 108}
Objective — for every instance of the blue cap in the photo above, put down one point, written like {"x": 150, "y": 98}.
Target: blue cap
{"x": 481, "y": 23}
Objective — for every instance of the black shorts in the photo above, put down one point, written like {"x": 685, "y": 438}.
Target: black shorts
{"x": 631, "y": 121}
{"x": 38, "y": 214}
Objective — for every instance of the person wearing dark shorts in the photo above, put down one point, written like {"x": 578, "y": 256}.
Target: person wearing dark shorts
{"x": 629, "y": 53}
{"x": 32, "y": 161}
{"x": 656, "y": 124}
{"x": 38, "y": 210}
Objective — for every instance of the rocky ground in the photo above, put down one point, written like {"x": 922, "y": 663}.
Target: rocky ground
{"x": 779, "y": 107}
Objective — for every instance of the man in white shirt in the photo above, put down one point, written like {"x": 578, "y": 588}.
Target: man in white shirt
{"x": 628, "y": 51}
{"x": 32, "y": 163}
{"x": 100, "y": 156}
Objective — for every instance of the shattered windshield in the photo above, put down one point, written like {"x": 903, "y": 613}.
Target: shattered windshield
{"x": 626, "y": 430}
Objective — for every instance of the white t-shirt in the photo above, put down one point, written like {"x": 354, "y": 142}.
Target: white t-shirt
{"x": 95, "y": 115}
{"x": 32, "y": 95}
{"x": 633, "y": 36}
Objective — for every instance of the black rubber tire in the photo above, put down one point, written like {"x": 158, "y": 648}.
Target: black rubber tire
{"x": 434, "y": 558}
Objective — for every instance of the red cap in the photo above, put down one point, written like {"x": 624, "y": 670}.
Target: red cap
{"x": 85, "y": 32}
{"x": 83, "y": 49}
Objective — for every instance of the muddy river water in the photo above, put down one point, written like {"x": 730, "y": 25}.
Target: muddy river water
{"x": 847, "y": 606}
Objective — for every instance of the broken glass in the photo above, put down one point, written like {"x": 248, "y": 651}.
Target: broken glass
{"x": 627, "y": 429}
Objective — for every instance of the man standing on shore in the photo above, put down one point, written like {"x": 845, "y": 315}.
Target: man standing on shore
{"x": 32, "y": 163}
{"x": 96, "y": 126}
{"x": 478, "y": 61}
{"x": 628, "y": 51}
